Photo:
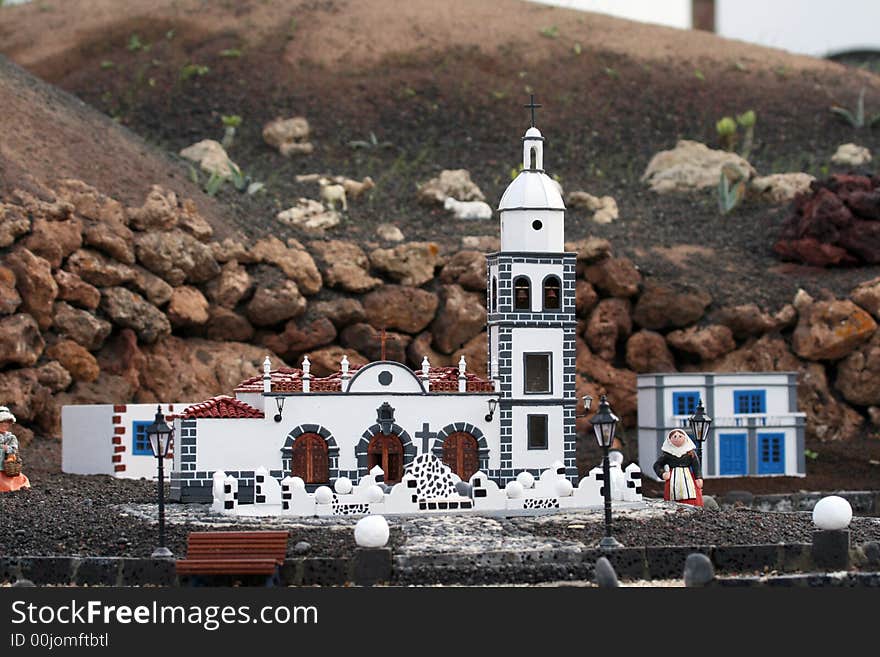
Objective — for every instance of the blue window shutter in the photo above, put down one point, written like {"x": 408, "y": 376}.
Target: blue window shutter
{"x": 140, "y": 442}
{"x": 771, "y": 453}
{"x": 732, "y": 458}
{"x": 685, "y": 402}
{"x": 749, "y": 401}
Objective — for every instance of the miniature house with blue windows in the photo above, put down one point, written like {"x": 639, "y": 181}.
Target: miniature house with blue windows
{"x": 756, "y": 428}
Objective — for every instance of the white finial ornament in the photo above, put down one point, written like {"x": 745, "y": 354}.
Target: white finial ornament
{"x": 344, "y": 365}
{"x": 307, "y": 366}
{"x": 267, "y": 366}
{"x": 462, "y": 366}
{"x": 426, "y": 366}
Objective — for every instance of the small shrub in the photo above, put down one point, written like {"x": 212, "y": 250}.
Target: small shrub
{"x": 856, "y": 118}
{"x": 231, "y": 52}
{"x": 731, "y": 188}
{"x": 192, "y": 70}
{"x": 550, "y": 32}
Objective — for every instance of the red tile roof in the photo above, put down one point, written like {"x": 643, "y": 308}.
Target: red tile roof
{"x": 289, "y": 379}
{"x": 221, "y": 406}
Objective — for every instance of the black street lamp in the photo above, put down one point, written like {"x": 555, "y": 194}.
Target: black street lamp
{"x": 700, "y": 423}
{"x": 604, "y": 425}
{"x": 160, "y": 436}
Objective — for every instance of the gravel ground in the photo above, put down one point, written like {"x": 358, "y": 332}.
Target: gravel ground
{"x": 100, "y": 516}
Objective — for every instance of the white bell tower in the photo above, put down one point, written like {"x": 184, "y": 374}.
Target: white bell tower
{"x": 531, "y": 322}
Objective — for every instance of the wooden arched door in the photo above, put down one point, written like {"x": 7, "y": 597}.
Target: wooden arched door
{"x": 460, "y": 453}
{"x": 386, "y": 451}
{"x": 310, "y": 460}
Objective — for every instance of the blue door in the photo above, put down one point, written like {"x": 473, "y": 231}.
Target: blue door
{"x": 732, "y": 457}
{"x": 771, "y": 453}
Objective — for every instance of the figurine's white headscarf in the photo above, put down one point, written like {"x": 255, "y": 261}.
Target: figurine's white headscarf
{"x": 686, "y": 447}
{"x": 6, "y": 415}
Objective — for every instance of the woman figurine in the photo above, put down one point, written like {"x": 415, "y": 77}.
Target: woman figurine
{"x": 679, "y": 467}
{"x": 9, "y": 452}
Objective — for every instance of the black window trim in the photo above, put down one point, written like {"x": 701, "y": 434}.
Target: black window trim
{"x": 549, "y": 355}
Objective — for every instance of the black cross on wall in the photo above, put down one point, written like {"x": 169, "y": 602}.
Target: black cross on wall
{"x": 426, "y": 436}
{"x": 532, "y": 106}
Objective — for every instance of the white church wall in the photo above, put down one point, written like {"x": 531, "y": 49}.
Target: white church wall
{"x": 86, "y": 439}
{"x": 517, "y": 233}
{"x": 537, "y": 459}
{"x": 537, "y": 340}
{"x": 237, "y": 444}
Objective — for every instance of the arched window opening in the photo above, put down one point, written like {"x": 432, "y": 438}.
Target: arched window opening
{"x": 533, "y": 158}
{"x": 494, "y": 294}
{"x": 522, "y": 294}
{"x": 551, "y": 293}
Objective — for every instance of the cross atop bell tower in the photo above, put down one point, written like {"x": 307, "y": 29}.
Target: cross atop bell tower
{"x": 532, "y": 106}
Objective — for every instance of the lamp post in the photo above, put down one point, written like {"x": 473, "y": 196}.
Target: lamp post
{"x": 160, "y": 435}
{"x": 700, "y": 424}
{"x": 604, "y": 425}
{"x": 493, "y": 404}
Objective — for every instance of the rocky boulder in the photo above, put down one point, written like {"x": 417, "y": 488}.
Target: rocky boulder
{"x": 586, "y": 298}
{"x": 858, "y": 375}
{"x": 54, "y": 240}
{"x": 867, "y": 295}
{"x": 421, "y": 347}
{"x": 81, "y": 326}
{"x": 231, "y": 286}
{"x": 35, "y": 284}
{"x": 461, "y": 317}
{"x": 769, "y": 353}
{"x": 366, "y": 340}
{"x": 224, "y": 324}
{"x": 157, "y": 291}
{"x": 407, "y": 309}
{"x": 609, "y": 323}
{"x": 662, "y": 307}
{"x": 476, "y": 356}
{"x": 780, "y": 187}
{"x": 342, "y": 311}
{"x": 851, "y": 155}
{"x": 190, "y": 221}
{"x": 300, "y": 337}
{"x": 14, "y": 223}
{"x": 748, "y": 320}
{"x": 112, "y": 238}
{"x": 273, "y": 305}
{"x": 53, "y": 376}
{"x": 289, "y": 136}
{"x": 210, "y": 156}
{"x": 9, "y": 297}
{"x": 74, "y": 289}
{"x": 466, "y": 268}
{"x": 291, "y": 258}
{"x": 646, "y": 351}
{"x": 328, "y": 360}
{"x": 175, "y": 256}
{"x": 345, "y": 266}
{"x": 188, "y": 307}
{"x": 20, "y": 341}
{"x": 130, "y": 310}
{"x": 827, "y": 418}
{"x": 456, "y": 183}
{"x": 829, "y": 330}
{"x": 616, "y": 277}
{"x": 604, "y": 210}
{"x": 309, "y": 216}
{"x": 412, "y": 263}
{"x": 591, "y": 249}
{"x": 618, "y": 384}
{"x": 97, "y": 269}
{"x": 691, "y": 166}
{"x": 706, "y": 342}
{"x": 30, "y": 401}
{"x": 76, "y": 359}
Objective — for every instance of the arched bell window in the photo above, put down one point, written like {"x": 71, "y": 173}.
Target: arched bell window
{"x": 494, "y": 294}
{"x": 552, "y": 291}
{"x": 533, "y": 158}
{"x": 522, "y": 293}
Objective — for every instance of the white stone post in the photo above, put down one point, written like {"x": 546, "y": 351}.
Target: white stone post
{"x": 462, "y": 379}
{"x": 230, "y": 494}
{"x": 346, "y": 377}
{"x": 426, "y": 369}
{"x": 267, "y": 375}
{"x": 307, "y": 376}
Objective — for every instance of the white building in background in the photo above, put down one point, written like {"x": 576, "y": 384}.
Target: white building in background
{"x": 756, "y": 428}
{"x": 807, "y": 27}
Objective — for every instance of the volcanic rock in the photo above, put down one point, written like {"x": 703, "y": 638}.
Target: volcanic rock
{"x": 707, "y": 342}
{"x": 851, "y": 155}
{"x": 9, "y": 297}
{"x": 74, "y": 289}
{"x": 858, "y": 375}
{"x": 609, "y": 323}
{"x": 210, "y": 156}
{"x": 342, "y": 311}
{"x": 190, "y": 221}
{"x": 272, "y": 305}
{"x": 422, "y": 346}
{"x": 661, "y": 306}
{"x": 157, "y": 291}
{"x": 586, "y": 298}
{"x": 617, "y": 277}
{"x": 646, "y": 351}
{"x": 20, "y": 341}
{"x": 81, "y": 326}
{"x": 299, "y": 337}
{"x": 187, "y": 307}
{"x": 400, "y": 307}
{"x": 345, "y": 265}
{"x": 76, "y": 359}
{"x": 53, "y": 376}
{"x": 113, "y": 238}
{"x": 292, "y": 259}
{"x": 780, "y": 187}
{"x": 30, "y": 401}
{"x": 461, "y": 317}
{"x": 468, "y": 269}
{"x": 99, "y": 270}
{"x": 14, "y": 223}
{"x": 130, "y": 310}
{"x": 231, "y": 286}
{"x": 33, "y": 279}
{"x": 224, "y": 324}
{"x": 476, "y": 355}
{"x": 829, "y": 330}
{"x": 366, "y": 340}
{"x": 691, "y": 166}
{"x": 54, "y": 240}
{"x": 867, "y": 295}
{"x": 328, "y": 360}
{"x": 456, "y": 183}
{"x": 412, "y": 263}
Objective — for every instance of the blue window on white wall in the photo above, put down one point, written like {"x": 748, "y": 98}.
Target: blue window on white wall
{"x": 140, "y": 442}
{"x": 685, "y": 403}
{"x": 771, "y": 453}
{"x": 749, "y": 401}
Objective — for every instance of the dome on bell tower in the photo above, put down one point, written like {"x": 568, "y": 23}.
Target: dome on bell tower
{"x": 532, "y": 189}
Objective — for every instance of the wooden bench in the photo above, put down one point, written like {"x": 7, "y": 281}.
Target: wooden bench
{"x": 234, "y": 553}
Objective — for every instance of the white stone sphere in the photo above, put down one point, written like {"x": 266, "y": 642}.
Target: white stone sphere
{"x": 514, "y": 490}
{"x": 526, "y": 479}
{"x": 296, "y": 483}
{"x": 372, "y": 532}
{"x": 375, "y": 494}
{"x": 323, "y": 495}
{"x": 343, "y": 486}
{"x": 563, "y": 487}
{"x": 832, "y": 512}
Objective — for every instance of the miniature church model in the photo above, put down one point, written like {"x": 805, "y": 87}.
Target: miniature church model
{"x": 393, "y": 440}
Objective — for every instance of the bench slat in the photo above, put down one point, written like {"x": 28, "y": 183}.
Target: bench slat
{"x": 243, "y": 552}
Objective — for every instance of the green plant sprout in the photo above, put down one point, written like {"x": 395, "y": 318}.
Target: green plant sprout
{"x": 107, "y": 64}
{"x": 550, "y": 32}
{"x": 190, "y": 70}
{"x": 577, "y": 49}
{"x": 731, "y": 188}
{"x": 372, "y": 142}
{"x": 727, "y": 128}
{"x": 134, "y": 43}
{"x": 857, "y": 118}
{"x": 231, "y": 52}
{"x": 747, "y": 121}
{"x": 242, "y": 183}
{"x": 230, "y": 123}
{"x": 810, "y": 454}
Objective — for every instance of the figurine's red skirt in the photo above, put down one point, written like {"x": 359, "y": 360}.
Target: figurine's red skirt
{"x": 9, "y": 484}
{"x": 696, "y": 501}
